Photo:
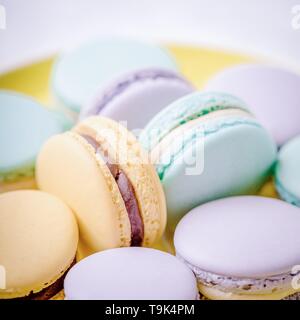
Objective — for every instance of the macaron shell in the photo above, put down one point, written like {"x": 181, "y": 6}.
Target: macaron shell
{"x": 20, "y": 147}
{"x": 272, "y": 94}
{"x": 69, "y": 168}
{"x": 228, "y": 150}
{"x": 38, "y": 241}
{"x": 141, "y": 99}
{"x": 187, "y": 108}
{"x": 122, "y": 146}
{"x": 130, "y": 273}
{"x": 215, "y": 294}
{"x": 77, "y": 75}
{"x": 288, "y": 173}
{"x": 253, "y": 237}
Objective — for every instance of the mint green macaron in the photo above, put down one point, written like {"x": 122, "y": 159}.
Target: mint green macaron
{"x": 24, "y": 126}
{"x": 287, "y": 173}
{"x": 207, "y": 146}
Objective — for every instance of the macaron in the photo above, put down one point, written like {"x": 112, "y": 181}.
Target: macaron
{"x": 130, "y": 274}
{"x": 242, "y": 248}
{"x": 38, "y": 242}
{"x": 207, "y": 146}
{"x": 136, "y": 97}
{"x": 79, "y": 73}
{"x": 100, "y": 170}
{"x": 24, "y": 126}
{"x": 271, "y": 93}
{"x": 287, "y": 173}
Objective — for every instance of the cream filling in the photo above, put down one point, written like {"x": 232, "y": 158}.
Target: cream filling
{"x": 165, "y": 145}
{"x": 216, "y": 294}
{"x": 277, "y": 284}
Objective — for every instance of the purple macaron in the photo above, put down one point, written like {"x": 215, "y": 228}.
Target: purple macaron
{"x": 272, "y": 94}
{"x": 134, "y": 98}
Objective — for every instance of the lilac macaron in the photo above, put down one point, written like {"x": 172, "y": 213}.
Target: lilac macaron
{"x": 135, "y": 97}
{"x": 272, "y": 94}
{"x": 130, "y": 274}
{"x": 242, "y": 248}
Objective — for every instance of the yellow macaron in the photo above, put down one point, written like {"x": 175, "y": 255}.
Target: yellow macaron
{"x": 38, "y": 242}
{"x": 100, "y": 170}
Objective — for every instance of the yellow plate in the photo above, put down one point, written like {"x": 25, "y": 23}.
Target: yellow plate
{"x": 197, "y": 64}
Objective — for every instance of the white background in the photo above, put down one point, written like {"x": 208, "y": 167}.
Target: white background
{"x": 38, "y": 28}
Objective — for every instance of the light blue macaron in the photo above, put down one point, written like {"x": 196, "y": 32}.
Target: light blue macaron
{"x": 24, "y": 126}
{"x": 78, "y": 74}
{"x": 207, "y": 146}
{"x": 287, "y": 173}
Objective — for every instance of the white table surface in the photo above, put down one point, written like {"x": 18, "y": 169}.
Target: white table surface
{"x": 38, "y": 28}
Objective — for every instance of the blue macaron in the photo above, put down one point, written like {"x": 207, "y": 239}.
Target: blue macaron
{"x": 24, "y": 126}
{"x": 207, "y": 146}
{"x": 287, "y": 173}
{"x": 78, "y": 74}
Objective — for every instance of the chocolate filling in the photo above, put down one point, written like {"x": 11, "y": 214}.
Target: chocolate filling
{"x": 127, "y": 193}
{"x": 50, "y": 291}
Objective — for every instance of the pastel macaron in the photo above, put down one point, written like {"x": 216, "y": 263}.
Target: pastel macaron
{"x": 242, "y": 248}
{"x": 100, "y": 170}
{"x": 24, "y": 126}
{"x": 287, "y": 173}
{"x": 130, "y": 274}
{"x": 38, "y": 243}
{"x": 136, "y": 97}
{"x": 79, "y": 73}
{"x": 207, "y": 146}
{"x": 271, "y": 93}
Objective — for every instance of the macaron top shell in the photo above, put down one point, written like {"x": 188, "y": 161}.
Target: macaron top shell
{"x": 183, "y": 110}
{"x": 38, "y": 241}
{"x": 78, "y": 74}
{"x": 288, "y": 171}
{"x": 137, "y": 96}
{"x": 24, "y": 126}
{"x": 130, "y": 274}
{"x": 272, "y": 94}
{"x": 247, "y": 237}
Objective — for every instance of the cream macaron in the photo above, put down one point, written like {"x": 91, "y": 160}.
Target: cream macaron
{"x": 100, "y": 170}
{"x": 38, "y": 242}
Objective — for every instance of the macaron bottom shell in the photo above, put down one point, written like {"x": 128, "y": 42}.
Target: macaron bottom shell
{"x": 230, "y": 166}
{"x": 208, "y": 293}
